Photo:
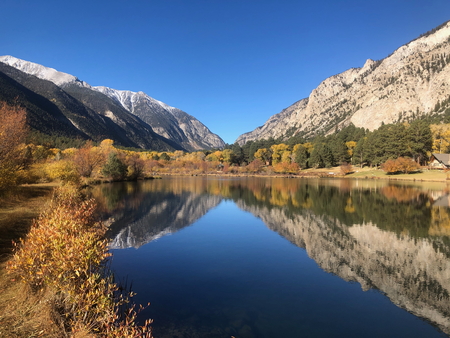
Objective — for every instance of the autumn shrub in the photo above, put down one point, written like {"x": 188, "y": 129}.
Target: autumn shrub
{"x": 65, "y": 251}
{"x": 390, "y": 166}
{"x": 87, "y": 158}
{"x": 407, "y": 165}
{"x": 401, "y": 164}
{"x": 63, "y": 170}
{"x": 346, "y": 168}
{"x": 135, "y": 167}
{"x": 255, "y": 166}
{"x": 284, "y": 168}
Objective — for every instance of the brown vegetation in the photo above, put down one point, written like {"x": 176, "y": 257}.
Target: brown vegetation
{"x": 346, "y": 168}
{"x": 401, "y": 164}
{"x": 13, "y": 130}
{"x": 61, "y": 263}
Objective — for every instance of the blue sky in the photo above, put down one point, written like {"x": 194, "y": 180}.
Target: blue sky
{"x": 230, "y": 63}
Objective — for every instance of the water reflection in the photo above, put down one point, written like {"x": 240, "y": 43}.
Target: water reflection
{"x": 390, "y": 237}
{"x": 130, "y": 208}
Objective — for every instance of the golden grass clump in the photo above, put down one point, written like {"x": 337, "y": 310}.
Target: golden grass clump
{"x": 64, "y": 255}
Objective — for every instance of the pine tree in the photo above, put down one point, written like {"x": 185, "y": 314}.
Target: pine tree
{"x": 114, "y": 167}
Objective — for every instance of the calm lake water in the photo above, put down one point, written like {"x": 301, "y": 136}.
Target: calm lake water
{"x": 260, "y": 257}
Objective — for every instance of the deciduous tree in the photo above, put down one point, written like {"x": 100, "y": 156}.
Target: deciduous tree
{"x": 88, "y": 158}
{"x": 264, "y": 155}
{"x": 13, "y": 130}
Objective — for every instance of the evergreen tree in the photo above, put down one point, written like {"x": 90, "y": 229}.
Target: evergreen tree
{"x": 420, "y": 140}
{"x": 301, "y": 156}
{"x": 359, "y": 155}
{"x": 327, "y": 156}
{"x": 315, "y": 160}
{"x": 339, "y": 150}
{"x": 114, "y": 167}
{"x": 238, "y": 154}
{"x": 164, "y": 157}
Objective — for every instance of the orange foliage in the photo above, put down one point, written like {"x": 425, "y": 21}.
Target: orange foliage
{"x": 87, "y": 158}
{"x": 13, "y": 130}
{"x": 400, "y": 194}
{"x": 64, "y": 252}
{"x": 401, "y": 164}
{"x": 284, "y": 167}
{"x": 346, "y": 168}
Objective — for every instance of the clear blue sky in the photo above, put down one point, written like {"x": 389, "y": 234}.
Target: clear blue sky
{"x": 230, "y": 63}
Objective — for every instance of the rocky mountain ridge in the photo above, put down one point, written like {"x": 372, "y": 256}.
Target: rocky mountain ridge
{"x": 168, "y": 215}
{"x": 182, "y": 130}
{"x": 406, "y": 84}
{"x": 169, "y": 122}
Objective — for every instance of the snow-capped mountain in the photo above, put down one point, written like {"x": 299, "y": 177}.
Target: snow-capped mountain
{"x": 45, "y": 73}
{"x": 168, "y": 122}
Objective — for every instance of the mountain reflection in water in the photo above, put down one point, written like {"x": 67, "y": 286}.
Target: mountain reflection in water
{"x": 390, "y": 237}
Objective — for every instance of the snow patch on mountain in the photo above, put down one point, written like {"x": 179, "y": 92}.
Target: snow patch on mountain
{"x": 167, "y": 121}
{"x": 45, "y": 73}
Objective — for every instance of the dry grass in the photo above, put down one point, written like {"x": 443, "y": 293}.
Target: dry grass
{"x": 425, "y": 175}
{"x": 17, "y": 210}
{"x": 21, "y": 314}
{"x": 24, "y": 314}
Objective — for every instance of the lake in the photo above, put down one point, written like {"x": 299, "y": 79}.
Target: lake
{"x": 273, "y": 257}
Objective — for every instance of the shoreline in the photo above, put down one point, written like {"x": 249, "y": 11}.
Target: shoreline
{"x": 362, "y": 174}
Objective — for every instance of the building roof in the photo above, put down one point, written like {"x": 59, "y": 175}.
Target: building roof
{"x": 443, "y": 158}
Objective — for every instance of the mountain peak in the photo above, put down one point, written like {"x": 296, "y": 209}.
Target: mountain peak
{"x": 42, "y": 72}
{"x": 401, "y": 87}
{"x": 169, "y": 122}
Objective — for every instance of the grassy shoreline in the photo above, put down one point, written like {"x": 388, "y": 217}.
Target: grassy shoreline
{"x": 335, "y": 172}
{"x": 55, "y": 282}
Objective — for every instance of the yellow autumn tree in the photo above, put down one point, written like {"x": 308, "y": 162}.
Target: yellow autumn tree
{"x": 441, "y": 137}
{"x": 350, "y": 147}
{"x": 263, "y": 154}
{"x": 277, "y": 152}
{"x": 228, "y": 155}
{"x": 215, "y": 156}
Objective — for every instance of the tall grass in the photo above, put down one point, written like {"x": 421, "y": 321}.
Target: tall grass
{"x": 65, "y": 253}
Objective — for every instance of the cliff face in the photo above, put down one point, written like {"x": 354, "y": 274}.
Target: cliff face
{"x": 411, "y": 272}
{"x": 409, "y": 82}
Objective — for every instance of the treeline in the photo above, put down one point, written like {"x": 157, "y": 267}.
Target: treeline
{"x": 353, "y": 145}
{"x": 400, "y": 147}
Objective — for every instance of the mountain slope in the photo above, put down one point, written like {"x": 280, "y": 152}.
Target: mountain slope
{"x": 129, "y": 111}
{"x": 53, "y": 111}
{"x": 406, "y": 84}
{"x": 167, "y": 121}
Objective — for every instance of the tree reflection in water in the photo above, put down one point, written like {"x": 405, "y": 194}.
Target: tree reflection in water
{"x": 390, "y": 237}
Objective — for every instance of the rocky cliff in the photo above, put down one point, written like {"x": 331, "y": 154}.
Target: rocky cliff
{"x": 410, "y": 82}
